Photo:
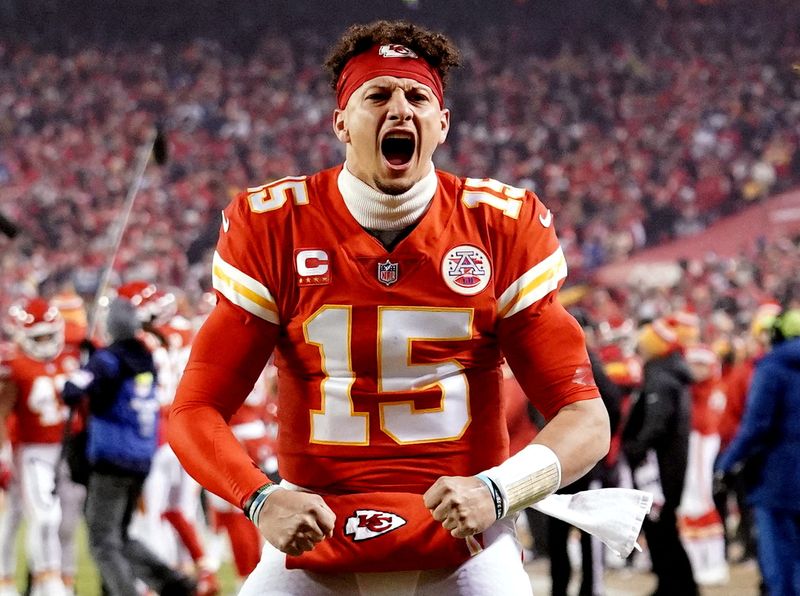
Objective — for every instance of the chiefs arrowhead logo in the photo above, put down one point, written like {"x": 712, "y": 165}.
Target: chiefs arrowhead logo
{"x": 368, "y": 523}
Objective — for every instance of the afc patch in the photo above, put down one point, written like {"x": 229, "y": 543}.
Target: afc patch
{"x": 466, "y": 270}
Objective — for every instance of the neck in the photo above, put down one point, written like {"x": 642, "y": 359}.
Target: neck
{"x": 376, "y": 210}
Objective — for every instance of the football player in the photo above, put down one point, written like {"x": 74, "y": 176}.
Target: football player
{"x": 700, "y": 524}
{"x": 31, "y": 388}
{"x": 389, "y": 291}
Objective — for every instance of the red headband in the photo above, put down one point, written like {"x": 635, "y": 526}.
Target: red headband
{"x": 386, "y": 60}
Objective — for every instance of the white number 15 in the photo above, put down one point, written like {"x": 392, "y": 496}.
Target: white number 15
{"x": 336, "y": 422}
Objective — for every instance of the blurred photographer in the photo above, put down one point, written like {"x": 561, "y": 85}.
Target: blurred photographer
{"x": 119, "y": 383}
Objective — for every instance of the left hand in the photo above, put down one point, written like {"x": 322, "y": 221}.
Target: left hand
{"x": 463, "y": 504}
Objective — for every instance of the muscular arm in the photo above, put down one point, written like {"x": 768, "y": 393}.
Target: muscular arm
{"x": 579, "y": 436}
{"x": 229, "y": 352}
{"x": 547, "y": 353}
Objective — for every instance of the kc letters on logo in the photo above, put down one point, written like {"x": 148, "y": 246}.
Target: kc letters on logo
{"x": 395, "y": 50}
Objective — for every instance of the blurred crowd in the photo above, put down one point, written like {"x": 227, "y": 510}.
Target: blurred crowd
{"x": 647, "y": 134}
{"x": 702, "y": 377}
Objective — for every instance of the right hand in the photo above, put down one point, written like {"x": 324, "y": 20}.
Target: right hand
{"x": 295, "y": 522}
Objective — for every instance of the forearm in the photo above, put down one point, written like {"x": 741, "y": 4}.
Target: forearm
{"x": 568, "y": 447}
{"x": 579, "y": 435}
{"x": 206, "y": 447}
{"x": 229, "y": 353}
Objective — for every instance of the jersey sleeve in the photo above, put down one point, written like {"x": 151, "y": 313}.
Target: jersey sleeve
{"x": 542, "y": 342}
{"x": 532, "y": 263}
{"x": 239, "y": 269}
{"x": 228, "y": 354}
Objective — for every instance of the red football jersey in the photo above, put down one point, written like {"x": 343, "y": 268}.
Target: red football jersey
{"x": 39, "y": 410}
{"x": 389, "y": 362}
{"x": 708, "y": 405}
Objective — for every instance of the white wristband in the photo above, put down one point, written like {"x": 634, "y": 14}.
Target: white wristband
{"x": 526, "y": 477}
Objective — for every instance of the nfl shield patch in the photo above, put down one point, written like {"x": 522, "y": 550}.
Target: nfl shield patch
{"x": 387, "y": 272}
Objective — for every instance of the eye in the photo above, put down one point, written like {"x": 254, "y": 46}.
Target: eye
{"x": 417, "y": 97}
{"x": 377, "y": 96}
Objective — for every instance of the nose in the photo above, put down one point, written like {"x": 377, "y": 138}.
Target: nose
{"x": 399, "y": 107}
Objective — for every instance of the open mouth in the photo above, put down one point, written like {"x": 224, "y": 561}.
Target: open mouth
{"x": 398, "y": 149}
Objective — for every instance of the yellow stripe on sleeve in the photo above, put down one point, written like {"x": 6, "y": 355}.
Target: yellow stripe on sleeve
{"x": 533, "y": 285}
{"x": 242, "y": 290}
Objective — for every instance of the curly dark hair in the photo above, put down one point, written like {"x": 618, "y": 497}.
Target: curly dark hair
{"x": 435, "y": 48}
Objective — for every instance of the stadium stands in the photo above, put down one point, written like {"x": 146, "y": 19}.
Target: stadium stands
{"x": 634, "y": 132}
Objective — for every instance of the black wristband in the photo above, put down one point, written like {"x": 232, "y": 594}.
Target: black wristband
{"x": 497, "y": 496}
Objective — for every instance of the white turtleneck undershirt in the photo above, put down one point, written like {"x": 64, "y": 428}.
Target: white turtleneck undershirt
{"x": 384, "y": 215}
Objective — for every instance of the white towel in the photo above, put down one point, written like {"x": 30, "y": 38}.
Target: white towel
{"x": 613, "y": 515}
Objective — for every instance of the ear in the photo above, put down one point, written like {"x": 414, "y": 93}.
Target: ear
{"x": 444, "y": 120}
{"x": 340, "y": 127}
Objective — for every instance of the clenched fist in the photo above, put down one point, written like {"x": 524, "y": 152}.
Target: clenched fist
{"x": 463, "y": 504}
{"x": 295, "y": 522}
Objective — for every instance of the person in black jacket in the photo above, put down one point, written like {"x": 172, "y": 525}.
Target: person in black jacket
{"x": 119, "y": 382}
{"x": 655, "y": 441}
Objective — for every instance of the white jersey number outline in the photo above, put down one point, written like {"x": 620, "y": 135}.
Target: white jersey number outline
{"x": 337, "y": 422}
{"x": 274, "y": 195}
{"x": 44, "y": 401}
{"x": 488, "y": 191}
